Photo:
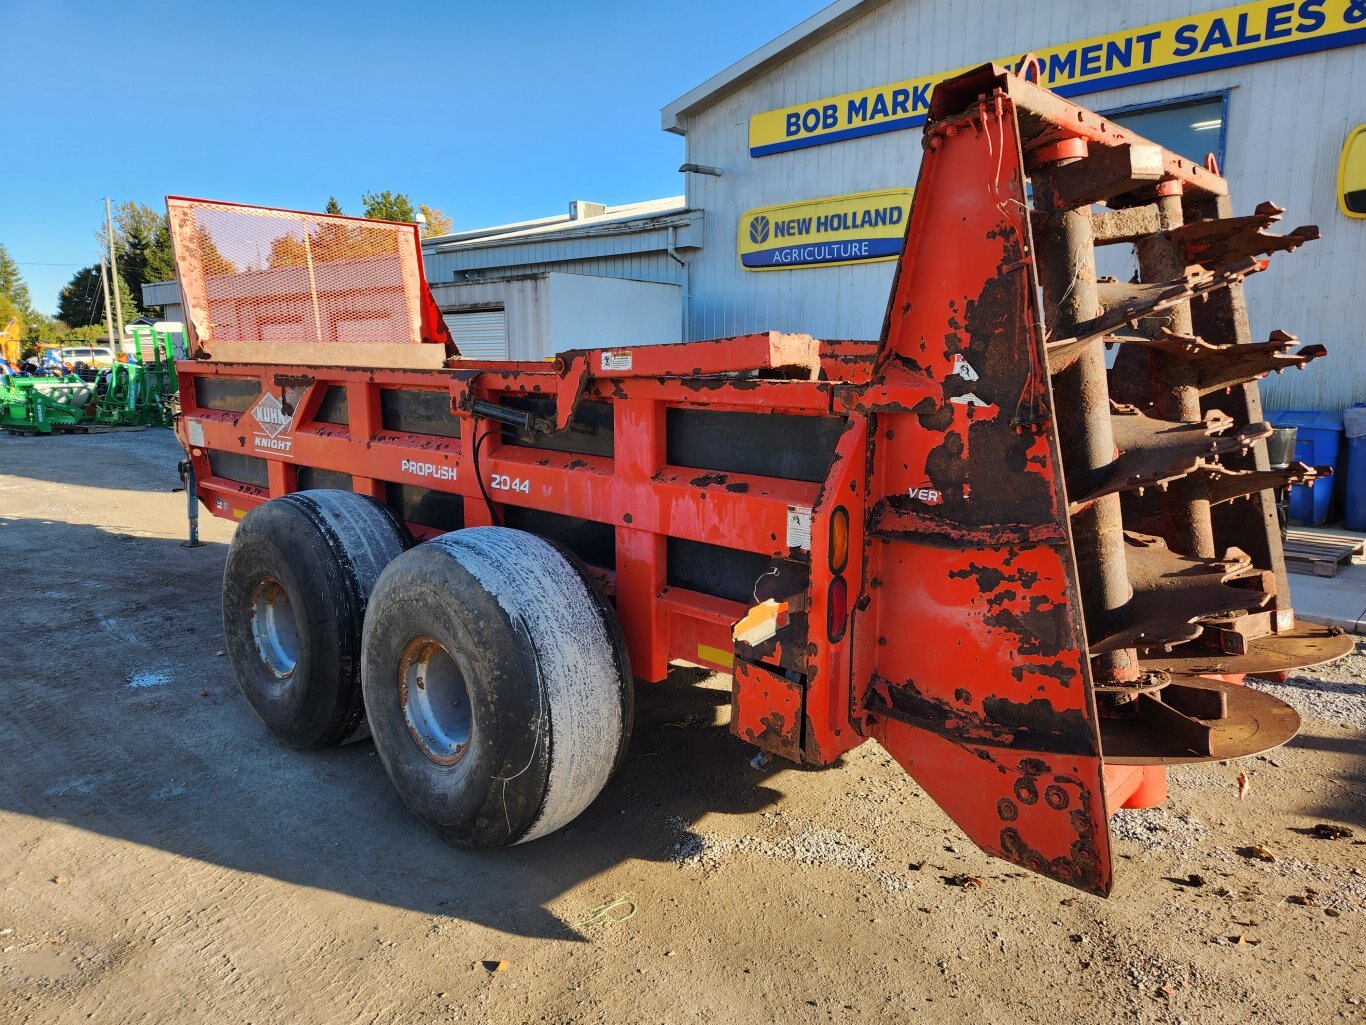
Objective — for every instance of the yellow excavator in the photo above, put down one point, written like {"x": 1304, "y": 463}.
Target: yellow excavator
{"x": 9, "y": 338}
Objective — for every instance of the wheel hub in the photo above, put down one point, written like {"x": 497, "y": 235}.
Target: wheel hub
{"x": 274, "y": 628}
{"x": 435, "y": 700}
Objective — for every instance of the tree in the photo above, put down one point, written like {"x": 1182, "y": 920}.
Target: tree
{"x": 142, "y": 239}
{"x": 287, "y": 251}
{"x": 388, "y": 206}
{"x": 81, "y": 302}
{"x": 213, "y": 261}
{"x": 40, "y": 330}
{"x": 12, "y": 285}
{"x": 437, "y": 221}
{"x": 333, "y": 207}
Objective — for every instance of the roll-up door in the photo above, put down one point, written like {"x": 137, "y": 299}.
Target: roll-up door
{"x": 479, "y": 334}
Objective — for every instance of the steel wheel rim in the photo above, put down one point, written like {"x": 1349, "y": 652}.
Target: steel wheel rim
{"x": 274, "y": 628}
{"x": 435, "y": 700}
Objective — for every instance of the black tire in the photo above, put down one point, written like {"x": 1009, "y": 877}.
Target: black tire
{"x": 295, "y": 588}
{"x": 497, "y": 685}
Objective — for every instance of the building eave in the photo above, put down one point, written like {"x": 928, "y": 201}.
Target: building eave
{"x": 571, "y": 231}
{"x": 825, "y": 23}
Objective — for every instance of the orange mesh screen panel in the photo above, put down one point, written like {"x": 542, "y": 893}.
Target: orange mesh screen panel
{"x": 254, "y": 274}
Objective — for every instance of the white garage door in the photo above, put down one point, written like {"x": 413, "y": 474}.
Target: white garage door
{"x": 479, "y": 334}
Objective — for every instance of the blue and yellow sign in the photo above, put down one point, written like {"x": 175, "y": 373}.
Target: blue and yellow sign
{"x": 858, "y": 228}
{"x": 1245, "y": 34}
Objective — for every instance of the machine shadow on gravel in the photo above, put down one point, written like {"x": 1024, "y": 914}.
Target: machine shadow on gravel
{"x": 152, "y": 743}
{"x": 1347, "y": 787}
{"x": 110, "y": 460}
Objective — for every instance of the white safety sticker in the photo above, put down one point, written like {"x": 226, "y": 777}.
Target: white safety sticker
{"x": 798, "y": 527}
{"x": 619, "y": 359}
{"x": 963, "y": 368}
{"x": 194, "y": 430}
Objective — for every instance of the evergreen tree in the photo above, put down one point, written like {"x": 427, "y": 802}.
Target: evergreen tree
{"x": 12, "y": 285}
{"x": 142, "y": 239}
{"x": 81, "y": 302}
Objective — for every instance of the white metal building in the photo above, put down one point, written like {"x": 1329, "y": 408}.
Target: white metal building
{"x": 165, "y": 294}
{"x": 828, "y": 109}
{"x": 596, "y": 276}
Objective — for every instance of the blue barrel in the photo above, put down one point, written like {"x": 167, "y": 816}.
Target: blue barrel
{"x": 1354, "y": 480}
{"x": 1318, "y": 443}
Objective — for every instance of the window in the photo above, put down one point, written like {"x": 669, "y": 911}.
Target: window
{"x": 1190, "y": 127}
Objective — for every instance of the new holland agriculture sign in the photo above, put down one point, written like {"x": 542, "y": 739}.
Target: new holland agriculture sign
{"x": 1245, "y": 34}
{"x": 825, "y": 232}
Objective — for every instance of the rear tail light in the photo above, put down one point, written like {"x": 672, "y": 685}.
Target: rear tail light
{"x": 836, "y": 609}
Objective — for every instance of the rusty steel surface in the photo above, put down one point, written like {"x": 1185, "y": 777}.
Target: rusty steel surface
{"x": 1173, "y": 593}
{"x": 1239, "y": 722}
{"x": 951, "y": 540}
{"x": 1305, "y": 645}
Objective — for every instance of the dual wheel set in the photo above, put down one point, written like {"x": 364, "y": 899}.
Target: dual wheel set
{"x": 488, "y": 667}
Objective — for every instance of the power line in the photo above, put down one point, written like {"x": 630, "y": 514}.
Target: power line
{"x": 99, "y": 291}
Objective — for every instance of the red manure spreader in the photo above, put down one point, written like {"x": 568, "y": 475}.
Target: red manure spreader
{"x": 1035, "y": 581}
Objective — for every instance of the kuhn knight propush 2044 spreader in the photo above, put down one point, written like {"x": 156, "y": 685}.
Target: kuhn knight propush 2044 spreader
{"x": 1034, "y": 581}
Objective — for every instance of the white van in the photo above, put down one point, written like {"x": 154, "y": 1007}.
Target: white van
{"x": 90, "y": 355}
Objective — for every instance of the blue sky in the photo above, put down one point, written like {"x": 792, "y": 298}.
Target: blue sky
{"x": 491, "y": 111}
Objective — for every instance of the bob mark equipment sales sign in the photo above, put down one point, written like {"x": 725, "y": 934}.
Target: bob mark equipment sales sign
{"x": 1243, "y": 34}
{"x": 859, "y": 228}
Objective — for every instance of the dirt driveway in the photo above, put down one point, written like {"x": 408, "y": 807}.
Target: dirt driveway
{"x": 163, "y": 860}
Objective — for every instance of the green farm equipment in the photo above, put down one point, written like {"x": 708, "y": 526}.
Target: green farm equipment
{"x": 35, "y": 405}
{"x": 137, "y": 393}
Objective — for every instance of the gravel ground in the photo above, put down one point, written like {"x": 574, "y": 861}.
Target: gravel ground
{"x": 163, "y": 860}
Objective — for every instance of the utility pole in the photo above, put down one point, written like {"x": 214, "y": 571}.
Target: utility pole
{"x": 108, "y": 313}
{"x": 113, "y": 272}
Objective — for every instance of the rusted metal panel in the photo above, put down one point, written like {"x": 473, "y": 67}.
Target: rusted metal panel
{"x": 766, "y": 710}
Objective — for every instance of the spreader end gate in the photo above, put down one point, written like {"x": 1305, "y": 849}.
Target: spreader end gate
{"x": 1075, "y": 551}
{"x": 1034, "y": 580}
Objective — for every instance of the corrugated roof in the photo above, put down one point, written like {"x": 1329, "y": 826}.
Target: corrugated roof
{"x": 613, "y": 218}
{"x": 772, "y": 54}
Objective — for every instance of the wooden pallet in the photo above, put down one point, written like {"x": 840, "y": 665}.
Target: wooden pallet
{"x": 96, "y": 428}
{"x": 61, "y": 429}
{"x": 1320, "y": 555}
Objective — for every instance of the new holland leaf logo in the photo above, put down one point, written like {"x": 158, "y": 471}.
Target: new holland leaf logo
{"x": 758, "y": 230}
{"x": 271, "y": 416}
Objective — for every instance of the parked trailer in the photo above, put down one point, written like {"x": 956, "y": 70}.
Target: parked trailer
{"x": 1032, "y": 581}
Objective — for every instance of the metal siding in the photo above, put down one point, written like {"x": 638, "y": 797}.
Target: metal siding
{"x": 442, "y": 271}
{"x": 603, "y": 312}
{"x": 625, "y": 245}
{"x": 546, "y": 312}
{"x": 1288, "y": 120}
{"x": 520, "y": 299}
